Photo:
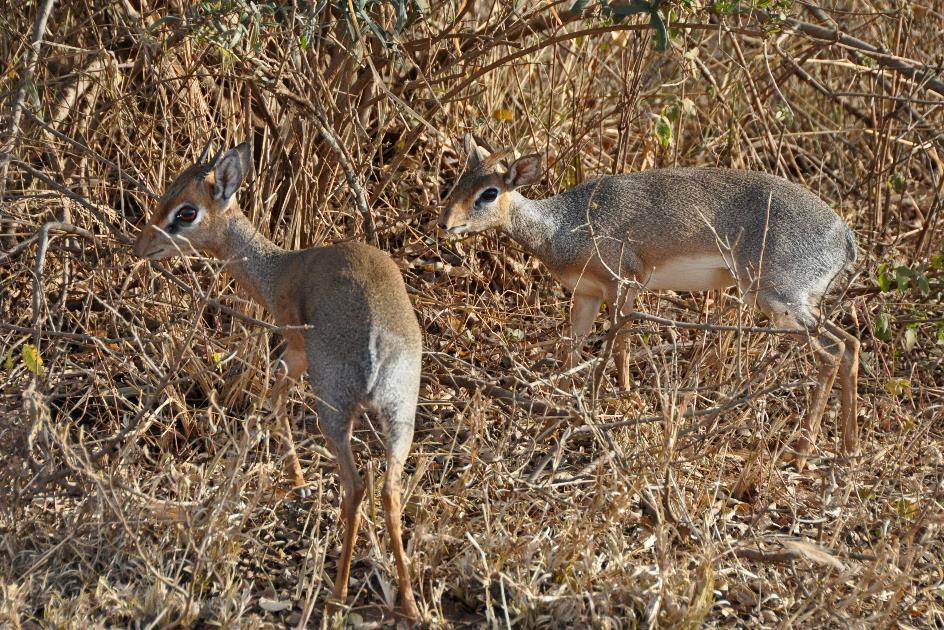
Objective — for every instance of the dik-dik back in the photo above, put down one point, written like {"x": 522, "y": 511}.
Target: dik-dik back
{"x": 354, "y": 296}
{"x": 689, "y": 229}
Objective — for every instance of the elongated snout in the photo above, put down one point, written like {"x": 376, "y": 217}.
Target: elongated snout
{"x": 152, "y": 244}
{"x": 144, "y": 243}
{"x": 444, "y": 216}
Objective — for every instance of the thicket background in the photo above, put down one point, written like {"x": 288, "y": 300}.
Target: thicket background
{"x": 137, "y": 483}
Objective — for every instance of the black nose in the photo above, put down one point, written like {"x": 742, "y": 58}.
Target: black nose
{"x": 442, "y": 225}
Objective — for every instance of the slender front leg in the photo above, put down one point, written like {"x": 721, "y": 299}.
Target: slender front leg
{"x": 848, "y": 380}
{"x": 621, "y": 344}
{"x": 829, "y": 351}
{"x": 295, "y": 363}
{"x": 582, "y": 314}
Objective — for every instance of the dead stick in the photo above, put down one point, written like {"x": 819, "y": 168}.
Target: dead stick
{"x": 29, "y": 67}
{"x": 922, "y": 75}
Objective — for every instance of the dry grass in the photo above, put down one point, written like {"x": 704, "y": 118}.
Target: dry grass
{"x": 137, "y": 479}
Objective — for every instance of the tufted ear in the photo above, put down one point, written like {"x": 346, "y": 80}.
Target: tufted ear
{"x": 524, "y": 171}
{"x": 230, "y": 170}
{"x": 476, "y": 154}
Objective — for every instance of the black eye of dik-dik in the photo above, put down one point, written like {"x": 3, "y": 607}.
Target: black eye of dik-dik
{"x": 488, "y": 195}
{"x": 187, "y": 214}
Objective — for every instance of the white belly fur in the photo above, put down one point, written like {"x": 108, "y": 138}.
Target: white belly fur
{"x": 689, "y": 273}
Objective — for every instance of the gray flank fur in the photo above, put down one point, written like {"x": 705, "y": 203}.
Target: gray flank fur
{"x": 641, "y": 219}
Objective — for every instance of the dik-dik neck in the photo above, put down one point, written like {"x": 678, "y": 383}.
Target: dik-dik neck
{"x": 545, "y": 228}
{"x": 250, "y": 257}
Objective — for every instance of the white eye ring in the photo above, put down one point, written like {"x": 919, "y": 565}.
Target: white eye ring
{"x": 172, "y": 219}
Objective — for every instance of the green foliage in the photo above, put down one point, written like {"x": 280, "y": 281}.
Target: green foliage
{"x": 635, "y": 7}
{"x": 660, "y": 32}
{"x": 673, "y": 111}
{"x": 911, "y": 336}
{"x": 881, "y": 331}
{"x": 904, "y": 279}
{"x": 32, "y": 360}
{"x": 905, "y": 509}
{"x": 663, "y": 131}
{"x": 227, "y": 23}
{"x": 407, "y": 12}
{"x": 921, "y": 283}
{"x": 669, "y": 118}
{"x": 724, "y": 7}
{"x": 897, "y": 182}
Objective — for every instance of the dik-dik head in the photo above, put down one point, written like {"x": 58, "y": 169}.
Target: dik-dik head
{"x": 480, "y": 199}
{"x": 193, "y": 210}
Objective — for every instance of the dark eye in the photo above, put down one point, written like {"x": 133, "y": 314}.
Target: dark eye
{"x": 187, "y": 214}
{"x": 488, "y": 195}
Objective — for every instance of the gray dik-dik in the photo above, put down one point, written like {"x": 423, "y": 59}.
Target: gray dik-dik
{"x": 680, "y": 229}
{"x": 346, "y": 318}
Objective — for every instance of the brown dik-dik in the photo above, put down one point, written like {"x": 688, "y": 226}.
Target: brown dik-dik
{"x": 347, "y": 320}
{"x": 680, "y": 229}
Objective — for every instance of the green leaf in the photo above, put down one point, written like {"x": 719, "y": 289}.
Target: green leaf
{"x": 902, "y": 278}
{"x": 663, "y": 131}
{"x": 672, "y": 113}
{"x": 34, "y": 362}
{"x": 724, "y": 7}
{"x": 157, "y": 24}
{"x": 8, "y": 362}
{"x": 907, "y": 510}
{"x": 924, "y": 286}
{"x": 883, "y": 278}
{"x": 897, "y": 182}
{"x": 882, "y": 331}
{"x": 632, "y": 8}
{"x": 661, "y": 34}
{"x": 911, "y": 337}
{"x": 898, "y": 386}
{"x": 402, "y": 17}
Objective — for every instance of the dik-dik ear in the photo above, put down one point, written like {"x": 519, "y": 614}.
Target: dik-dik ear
{"x": 230, "y": 170}
{"x": 524, "y": 171}
{"x": 476, "y": 154}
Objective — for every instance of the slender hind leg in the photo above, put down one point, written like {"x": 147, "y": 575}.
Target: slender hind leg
{"x": 336, "y": 426}
{"x": 848, "y": 380}
{"x": 399, "y": 439}
{"x": 295, "y": 363}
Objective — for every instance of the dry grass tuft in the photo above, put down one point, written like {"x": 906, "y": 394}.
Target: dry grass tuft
{"x": 137, "y": 485}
